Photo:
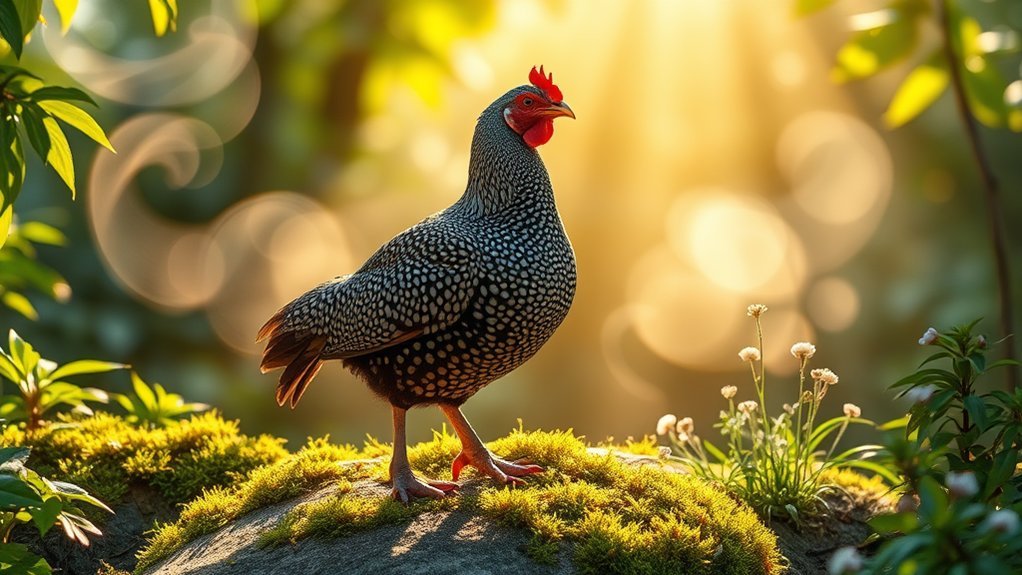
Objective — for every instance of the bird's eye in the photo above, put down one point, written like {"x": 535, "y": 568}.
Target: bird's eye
{"x": 527, "y": 102}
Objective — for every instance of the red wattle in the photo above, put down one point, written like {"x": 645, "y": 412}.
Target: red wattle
{"x": 539, "y": 133}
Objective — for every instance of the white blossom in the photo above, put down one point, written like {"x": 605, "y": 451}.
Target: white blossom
{"x": 756, "y": 310}
{"x": 920, "y": 394}
{"x": 929, "y": 336}
{"x": 686, "y": 425}
{"x": 747, "y": 407}
{"x": 666, "y": 424}
{"x": 728, "y": 391}
{"x": 824, "y": 375}
{"x": 852, "y": 410}
{"x": 1002, "y": 521}
{"x": 961, "y": 484}
{"x": 844, "y": 560}
{"x": 803, "y": 350}
{"x": 749, "y": 354}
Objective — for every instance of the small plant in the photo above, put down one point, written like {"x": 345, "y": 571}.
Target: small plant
{"x": 153, "y": 406}
{"x": 776, "y": 465}
{"x": 27, "y": 497}
{"x": 959, "y": 460}
{"x": 21, "y": 271}
{"x": 40, "y": 383}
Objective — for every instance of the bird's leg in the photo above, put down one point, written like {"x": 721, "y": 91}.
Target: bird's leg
{"x": 405, "y": 484}
{"x": 474, "y": 453}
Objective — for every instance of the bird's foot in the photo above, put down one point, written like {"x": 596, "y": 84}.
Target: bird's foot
{"x": 406, "y": 486}
{"x": 495, "y": 467}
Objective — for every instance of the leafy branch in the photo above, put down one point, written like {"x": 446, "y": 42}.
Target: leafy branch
{"x": 964, "y": 61}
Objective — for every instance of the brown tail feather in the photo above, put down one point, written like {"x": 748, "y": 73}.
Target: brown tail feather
{"x": 299, "y": 355}
{"x": 271, "y": 325}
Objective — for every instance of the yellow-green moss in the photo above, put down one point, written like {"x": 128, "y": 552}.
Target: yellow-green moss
{"x": 105, "y": 454}
{"x": 619, "y": 518}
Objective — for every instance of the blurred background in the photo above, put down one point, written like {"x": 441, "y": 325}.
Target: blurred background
{"x": 266, "y": 146}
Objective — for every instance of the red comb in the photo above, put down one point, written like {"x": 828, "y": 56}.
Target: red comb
{"x": 545, "y": 83}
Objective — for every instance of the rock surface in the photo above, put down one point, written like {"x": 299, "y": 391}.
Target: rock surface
{"x": 433, "y": 543}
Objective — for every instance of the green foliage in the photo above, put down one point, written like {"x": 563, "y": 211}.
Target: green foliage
{"x": 27, "y": 102}
{"x": 777, "y": 465}
{"x": 153, "y": 406}
{"x": 619, "y": 518}
{"x": 895, "y": 33}
{"x": 28, "y": 497}
{"x": 40, "y": 383}
{"x": 20, "y": 271}
{"x": 107, "y": 455}
{"x": 959, "y": 457}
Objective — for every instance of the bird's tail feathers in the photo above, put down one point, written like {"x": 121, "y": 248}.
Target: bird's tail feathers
{"x": 300, "y": 354}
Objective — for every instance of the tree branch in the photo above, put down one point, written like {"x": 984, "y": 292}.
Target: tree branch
{"x": 991, "y": 188}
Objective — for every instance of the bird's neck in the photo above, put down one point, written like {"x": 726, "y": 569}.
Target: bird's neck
{"x": 504, "y": 174}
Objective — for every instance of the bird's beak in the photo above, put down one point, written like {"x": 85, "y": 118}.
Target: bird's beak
{"x": 558, "y": 109}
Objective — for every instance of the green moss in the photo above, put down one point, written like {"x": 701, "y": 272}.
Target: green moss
{"x": 618, "y": 518}
{"x": 106, "y": 455}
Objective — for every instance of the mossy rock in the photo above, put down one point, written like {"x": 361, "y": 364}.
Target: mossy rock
{"x": 590, "y": 512}
{"x": 141, "y": 473}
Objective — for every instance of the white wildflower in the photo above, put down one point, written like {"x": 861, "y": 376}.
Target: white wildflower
{"x": 844, "y": 560}
{"x": 788, "y": 409}
{"x": 728, "y": 391}
{"x": 825, "y": 376}
{"x": 749, "y": 354}
{"x": 929, "y": 336}
{"x": 1002, "y": 521}
{"x": 666, "y": 424}
{"x": 686, "y": 425}
{"x": 961, "y": 484}
{"x": 747, "y": 407}
{"x": 852, "y": 410}
{"x": 756, "y": 310}
{"x": 803, "y": 350}
{"x": 920, "y": 394}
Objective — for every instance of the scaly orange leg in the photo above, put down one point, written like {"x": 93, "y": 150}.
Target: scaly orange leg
{"x": 474, "y": 453}
{"x": 405, "y": 484}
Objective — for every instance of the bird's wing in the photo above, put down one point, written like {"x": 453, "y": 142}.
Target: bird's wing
{"x": 420, "y": 282}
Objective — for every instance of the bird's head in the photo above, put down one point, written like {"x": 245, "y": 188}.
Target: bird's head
{"x": 531, "y": 110}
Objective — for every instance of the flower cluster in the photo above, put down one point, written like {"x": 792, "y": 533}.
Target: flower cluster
{"x": 774, "y": 464}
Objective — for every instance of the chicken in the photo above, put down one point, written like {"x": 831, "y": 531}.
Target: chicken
{"x": 452, "y": 303}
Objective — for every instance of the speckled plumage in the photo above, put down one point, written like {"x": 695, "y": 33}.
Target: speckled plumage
{"x": 454, "y": 302}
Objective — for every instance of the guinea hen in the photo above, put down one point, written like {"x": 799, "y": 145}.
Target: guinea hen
{"x": 454, "y": 302}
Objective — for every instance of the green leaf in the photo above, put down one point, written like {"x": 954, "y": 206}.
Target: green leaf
{"x": 894, "y": 523}
{"x": 79, "y": 119}
{"x": 10, "y": 27}
{"x": 869, "y": 51}
{"x": 16, "y": 559}
{"x": 804, "y": 7}
{"x": 12, "y": 160}
{"x": 976, "y": 408}
{"x": 164, "y": 13}
{"x": 15, "y": 494}
{"x": 40, "y": 233}
{"x": 84, "y": 366}
{"x": 61, "y": 93}
{"x": 917, "y": 92}
{"x": 24, "y": 356}
{"x": 66, "y": 10}
{"x": 20, "y": 304}
{"x": 984, "y": 84}
{"x": 32, "y": 120}
{"x": 14, "y": 458}
{"x": 60, "y": 154}
{"x": 28, "y": 12}
{"x": 144, "y": 393}
{"x": 45, "y": 515}
{"x": 6, "y": 217}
